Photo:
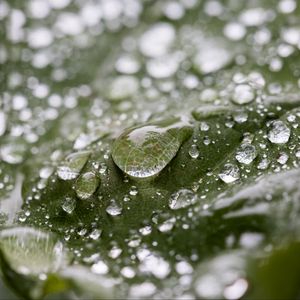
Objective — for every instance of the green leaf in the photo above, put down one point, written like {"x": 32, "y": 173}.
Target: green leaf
{"x": 149, "y": 149}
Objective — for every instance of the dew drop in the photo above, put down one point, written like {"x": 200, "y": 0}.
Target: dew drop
{"x": 167, "y": 225}
{"x": 243, "y": 94}
{"x": 283, "y": 158}
{"x": 204, "y": 126}
{"x": 245, "y": 154}
{"x": 122, "y": 87}
{"x": 229, "y": 173}
{"x": 162, "y": 67}
{"x": 100, "y": 268}
{"x": 279, "y": 133}
{"x": 46, "y": 172}
{"x": 182, "y": 198}
{"x": 95, "y": 234}
{"x": 157, "y": 40}
{"x": 127, "y": 64}
{"x": 13, "y": 152}
{"x": 143, "y": 151}
{"x": 234, "y": 31}
{"x": 155, "y": 265}
{"x": 72, "y": 165}
{"x": 86, "y": 185}
{"x": 115, "y": 252}
{"x": 114, "y": 209}
{"x": 263, "y": 164}
{"x": 145, "y": 230}
{"x": 69, "y": 205}
{"x": 212, "y": 58}
{"x": 240, "y": 117}
{"x": 194, "y": 152}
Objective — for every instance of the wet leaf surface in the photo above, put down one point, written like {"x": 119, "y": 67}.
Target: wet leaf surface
{"x": 149, "y": 149}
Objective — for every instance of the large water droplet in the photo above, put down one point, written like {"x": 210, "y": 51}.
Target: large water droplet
{"x": 86, "y": 185}
{"x": 229, "y": 173}
{"x": 245, "y": 154}
{"x": 182, "y": 198}
{"x": 279, "y": 133}
{"x": 31, "y": 251}
{"x": 72, "y": 165}
{"x": 144, "y": 151}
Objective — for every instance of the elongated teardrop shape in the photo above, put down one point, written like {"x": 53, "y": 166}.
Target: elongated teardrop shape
{"x": 143, "y": 151}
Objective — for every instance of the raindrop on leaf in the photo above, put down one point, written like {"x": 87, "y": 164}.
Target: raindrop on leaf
{"x": 143, "y": 151}
{"x": 72, "y": 165}
{"x": 86, "y": 185}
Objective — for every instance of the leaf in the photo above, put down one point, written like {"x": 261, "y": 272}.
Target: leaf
{"x": 149, "y": 204}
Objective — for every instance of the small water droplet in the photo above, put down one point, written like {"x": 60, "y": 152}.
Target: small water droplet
{"x": 122, "y": 87}
{"x": 72, "y": 165}
{"x": 240, "y": 117}
{"x": 155, "y": 265}
{"x": 86, "y": 185}
{"x": 229, "y": 173}
{"x": 95, "y": 234}
{"x": 204, "y": 126}
{"x": 128, "y": 272}
{"x": 134, "y": 242}
{"x": 279, "y": 133}
{"x": 194, "y": 152}
{"x": 167, "y": 225}
{"x": 102, "y": 168}
{"x": 182, "y": 198}
{"x": 46, "y": 172}
{"x": 127, "y": 64}
{"x": 114, "y": 209}
{"x": 245, "y": 154}
{"x": 69, "y": 205}
{"x": 145, "y": 230}
{"x": 157, "y": 40}
{"x": 162, "y": 67}
{"x": 133, "y": 191}
{"x": 243, "y": 94}
{"x": 100, "y": 268}
{"x": 13, "y": 152}
{"x": 283, "y": 158}
{"x": 263, "y": 164}
{"x": 115, "y": 252}
{"x": 212, "y": 57}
